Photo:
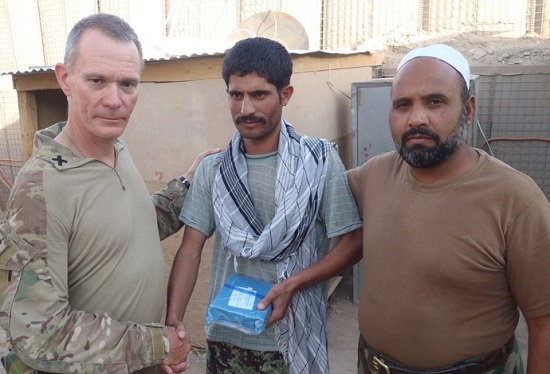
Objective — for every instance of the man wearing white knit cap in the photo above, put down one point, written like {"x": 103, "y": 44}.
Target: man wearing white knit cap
{"x": 455, "y": 242}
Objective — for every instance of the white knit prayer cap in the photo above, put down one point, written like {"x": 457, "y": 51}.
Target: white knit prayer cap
{"x": 444, "y": 53}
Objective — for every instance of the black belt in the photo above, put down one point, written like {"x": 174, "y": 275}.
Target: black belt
{"x": 377, "y": 363}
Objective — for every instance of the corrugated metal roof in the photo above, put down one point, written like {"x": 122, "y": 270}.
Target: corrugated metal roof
{"x": 49, "y": 68}
{"x": 31, "y": 70}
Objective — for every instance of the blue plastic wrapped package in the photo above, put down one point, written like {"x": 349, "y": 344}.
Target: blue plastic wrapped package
{"x": 236, "y": 304}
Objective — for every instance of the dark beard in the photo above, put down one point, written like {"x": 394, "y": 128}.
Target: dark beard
{"x": 426, "y": 157}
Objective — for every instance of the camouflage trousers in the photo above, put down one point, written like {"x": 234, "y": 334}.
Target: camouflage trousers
{"x": 513, "y": 365}
{"x": 224, "y": 358}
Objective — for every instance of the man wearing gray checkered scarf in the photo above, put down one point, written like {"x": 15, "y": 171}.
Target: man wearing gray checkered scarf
{"x": 274, "y": 199}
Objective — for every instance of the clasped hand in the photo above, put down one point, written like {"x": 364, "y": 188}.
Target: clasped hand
{"x": 180, "y": 346}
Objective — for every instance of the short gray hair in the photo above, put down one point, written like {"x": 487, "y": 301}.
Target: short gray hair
{"x": 110, "y": 25}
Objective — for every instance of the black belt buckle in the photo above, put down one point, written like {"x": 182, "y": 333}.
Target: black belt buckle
{"x": 379, "y": 363}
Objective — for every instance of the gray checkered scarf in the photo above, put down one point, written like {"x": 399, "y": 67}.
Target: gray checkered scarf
{"x": 289, "y": 239}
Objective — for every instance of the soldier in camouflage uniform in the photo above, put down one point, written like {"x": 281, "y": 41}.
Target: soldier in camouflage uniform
{"x": 82, "y": 264}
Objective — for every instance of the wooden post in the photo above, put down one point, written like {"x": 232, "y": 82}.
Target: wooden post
{"x": 29, "y": 121}
{"x": 27, "y": 86}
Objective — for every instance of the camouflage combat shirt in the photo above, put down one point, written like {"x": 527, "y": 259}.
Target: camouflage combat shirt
{"x": 80, "y": 256}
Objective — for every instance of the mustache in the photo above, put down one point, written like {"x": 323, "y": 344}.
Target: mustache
{"x": 419, "y": 131}
{"x": 240, "y": 119}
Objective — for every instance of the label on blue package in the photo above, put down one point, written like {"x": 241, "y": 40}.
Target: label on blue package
{"x": 236, "y": 304}
{"x": 242, "y": 298}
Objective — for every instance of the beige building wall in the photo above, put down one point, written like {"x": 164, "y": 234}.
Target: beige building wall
{"x": 173, "y": 122}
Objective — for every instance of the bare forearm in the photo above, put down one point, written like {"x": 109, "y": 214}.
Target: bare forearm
{"x": 346, "y": 253}
{"x": 539, "y": 345}
{"x": 180, "y": 287}
{"x": 184, "y": 274}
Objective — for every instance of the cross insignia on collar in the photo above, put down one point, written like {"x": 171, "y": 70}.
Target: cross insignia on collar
{"x": 59, "y": 160}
